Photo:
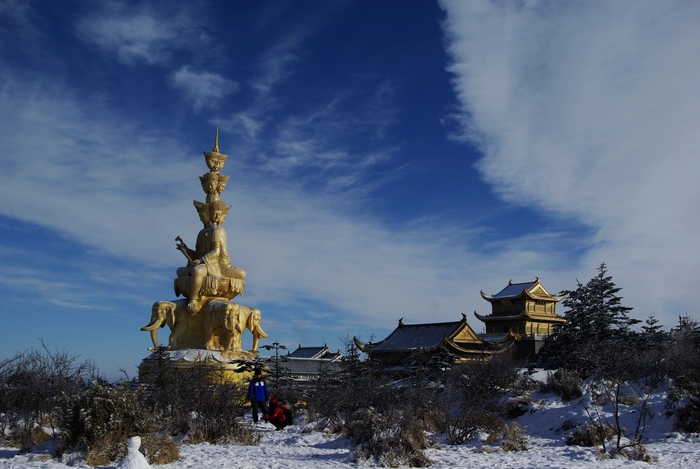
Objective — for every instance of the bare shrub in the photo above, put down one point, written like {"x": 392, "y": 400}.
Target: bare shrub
{"x": 629, "y": 398}
{"x": 564, "y": 383}
{"x": 391, "y": 439}
{"x": 100, "y": 418}
{"x": 387, "y": 423}
{"x": 517, "y": 406}
{"x": 468, "y": 405}
{"x": 683, "y": 357}
{"x": 200, "y": 402}
{"x": 31, "y": 382}
{"x": 591, "y": 435}
{"x": 514, "y": 438}
{"x": 341, "y": 397}
{"x": 25, "y": 439}
{"x": 637, "y": 452}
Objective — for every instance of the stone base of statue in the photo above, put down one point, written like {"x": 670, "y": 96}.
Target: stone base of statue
{"x": 167, "y": 363}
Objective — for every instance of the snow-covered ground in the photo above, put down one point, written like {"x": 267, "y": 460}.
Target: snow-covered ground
{"x": 297, "y": 447}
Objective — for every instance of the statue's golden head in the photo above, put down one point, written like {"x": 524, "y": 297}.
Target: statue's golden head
{"x": 223, "y": 180}
{"x": 215, "y": 160}
{"x": 218, "y": 211}
{"x": 210, "y": 182}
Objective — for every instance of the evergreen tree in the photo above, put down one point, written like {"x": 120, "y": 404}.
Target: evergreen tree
{"x": 595, "y": 317}
{"x": 653, "y": 333}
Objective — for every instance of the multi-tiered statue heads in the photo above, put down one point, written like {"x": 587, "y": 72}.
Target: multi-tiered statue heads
{"x": 213, "y": 183}
{"x": 209, "y": 273}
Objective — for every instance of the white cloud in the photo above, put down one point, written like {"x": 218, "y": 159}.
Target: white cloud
{"x": 88, "y": 182}
{"x": 203, "y": 89}
{"x": 591, "y": 110}
{"x": 275, "y": 65}
{"x": 141, "y": 34}
{"x": 18, "y": 11}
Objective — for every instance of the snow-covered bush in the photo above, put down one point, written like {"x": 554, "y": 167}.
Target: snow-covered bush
{"x": 687, "y": 415}
{"x": 31, "y": 382}
{"x": 341, "y": 397}
{"x": 513, "y": 438}
{"x": 200, "y": 403}
{"x": 391, "y": 438}
{"x": 100, "y": 418}
{"x": 469, "y": 403}
{"x": 565, "y": 383}
{"x": 384, "y": 415}
{"x": 591, "y": 435}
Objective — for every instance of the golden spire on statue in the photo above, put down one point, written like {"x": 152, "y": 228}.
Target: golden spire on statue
{"x": 215, "y": 160}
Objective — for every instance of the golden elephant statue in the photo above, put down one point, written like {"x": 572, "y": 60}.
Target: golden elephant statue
{"x": 172, "y": 313}
{"x": 226, "y": 315}
{"x": 250, "y": 318}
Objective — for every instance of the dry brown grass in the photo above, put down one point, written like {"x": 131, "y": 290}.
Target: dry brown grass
{"x": 159, "y": 449}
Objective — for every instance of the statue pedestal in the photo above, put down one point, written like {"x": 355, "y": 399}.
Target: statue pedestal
{"x": 169, "y": 362}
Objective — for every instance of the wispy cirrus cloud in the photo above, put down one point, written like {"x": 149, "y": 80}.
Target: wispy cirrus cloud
{"x": 142, "y": 34}
{"x": 203, "y": 89}
{"x": 18, "y": 11}
{"x": 276, "y": 65}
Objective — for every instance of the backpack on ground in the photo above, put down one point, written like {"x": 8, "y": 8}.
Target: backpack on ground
{"x": 288, "y": 416}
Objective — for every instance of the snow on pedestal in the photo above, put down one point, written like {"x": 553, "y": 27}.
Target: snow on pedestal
{"x": 134, "y": 459}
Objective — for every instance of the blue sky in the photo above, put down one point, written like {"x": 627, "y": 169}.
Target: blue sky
{"x": 387, "y": 159}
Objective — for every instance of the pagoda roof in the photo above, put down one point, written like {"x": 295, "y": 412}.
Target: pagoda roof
{"x": 534, "y": 290}
{"x": 417, "y": 336}
{"x": 522, "y": 315}
{"x": 322, "y": 352}
{"x": 457, "y": 337}
{"x": 305, "y": 365}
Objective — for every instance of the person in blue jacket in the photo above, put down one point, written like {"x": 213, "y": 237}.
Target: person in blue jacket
{"x": 258, "y": 394}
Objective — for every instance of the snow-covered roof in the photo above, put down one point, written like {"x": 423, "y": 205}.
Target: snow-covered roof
{"x": 306, "y": 365}
{"x": 533, "y": 290}
{"x": 514, "y": 290}
{"x": 315, "y": 352}
{"x": 412, "y": 336}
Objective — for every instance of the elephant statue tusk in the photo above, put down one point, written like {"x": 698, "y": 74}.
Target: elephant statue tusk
{"x": 152, "y": 326}
{"x": 258, "y": 330}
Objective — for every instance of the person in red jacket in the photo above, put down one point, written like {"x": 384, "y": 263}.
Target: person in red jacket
{"x": 276, "y": 417}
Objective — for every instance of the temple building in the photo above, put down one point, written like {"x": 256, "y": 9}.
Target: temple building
{"x": 526, "y": 309}
{"x": 306, "y": 364}
{"x": 457, "y": 338}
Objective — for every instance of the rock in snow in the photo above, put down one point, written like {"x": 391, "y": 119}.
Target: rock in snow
{"x": 134, "y": 459}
